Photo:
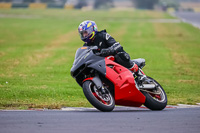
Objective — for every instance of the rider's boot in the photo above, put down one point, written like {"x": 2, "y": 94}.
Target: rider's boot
{"x": 140, "y": 74}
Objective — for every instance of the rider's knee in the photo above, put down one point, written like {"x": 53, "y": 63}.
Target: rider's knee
{"x": 123, "y": 59}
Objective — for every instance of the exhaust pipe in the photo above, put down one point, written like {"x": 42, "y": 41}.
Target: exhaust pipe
{"x": 147, "y": 86}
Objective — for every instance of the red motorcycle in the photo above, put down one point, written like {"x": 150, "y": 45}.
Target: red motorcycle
{"x": 106, "y": 83}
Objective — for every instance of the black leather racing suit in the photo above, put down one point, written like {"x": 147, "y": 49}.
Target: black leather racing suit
{"x": 108, "y": 46}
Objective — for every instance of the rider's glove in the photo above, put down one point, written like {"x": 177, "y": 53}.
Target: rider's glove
{"x": 107, "y": 51}
{"x": 115, "y": 48}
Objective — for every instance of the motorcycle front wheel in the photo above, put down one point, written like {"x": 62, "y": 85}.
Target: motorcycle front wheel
{"x": 103, "y": 102}
{"x": 156, "y": 99}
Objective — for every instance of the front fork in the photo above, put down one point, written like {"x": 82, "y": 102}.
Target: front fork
{"x": 97, "y": 81}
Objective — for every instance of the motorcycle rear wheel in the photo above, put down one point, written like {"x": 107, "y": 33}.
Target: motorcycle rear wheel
{"x": 155, "y": 99}
{"x": 103, "y": 102}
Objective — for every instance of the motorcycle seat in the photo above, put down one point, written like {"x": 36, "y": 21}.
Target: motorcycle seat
{"x": 140, "y": 62}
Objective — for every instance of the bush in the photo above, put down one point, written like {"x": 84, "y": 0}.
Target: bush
{"x": 145, "y": 4}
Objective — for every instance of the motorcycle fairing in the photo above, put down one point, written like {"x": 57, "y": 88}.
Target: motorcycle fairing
{"x": 85, "y": 58}
{"x": 126, "y": 92}
{"x": 99, "y": 66}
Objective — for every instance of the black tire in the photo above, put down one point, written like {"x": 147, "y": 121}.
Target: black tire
{"x": 153, "y": 101}
{"x": 90, "y": 92}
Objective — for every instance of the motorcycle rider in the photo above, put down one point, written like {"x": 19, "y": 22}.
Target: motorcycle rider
{"x": 108, "y": 46}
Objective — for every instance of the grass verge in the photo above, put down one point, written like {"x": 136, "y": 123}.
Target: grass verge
{"x": 37, "y": 49}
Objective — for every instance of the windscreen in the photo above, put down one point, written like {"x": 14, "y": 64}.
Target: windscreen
{"x": 80, "y": 53}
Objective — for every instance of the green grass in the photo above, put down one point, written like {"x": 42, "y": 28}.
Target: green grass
{"x": 37, "y": 49}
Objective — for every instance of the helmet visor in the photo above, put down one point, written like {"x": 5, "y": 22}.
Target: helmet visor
{"x": 84, "y": 34}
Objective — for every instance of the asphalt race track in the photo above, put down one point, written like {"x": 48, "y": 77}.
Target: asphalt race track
{"x": 189, "y": 17}
{"x": 121, "y": 120}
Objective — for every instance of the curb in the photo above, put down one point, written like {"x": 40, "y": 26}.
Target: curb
{"x": 117, "y": 108}
{"x": 124, "y": 108}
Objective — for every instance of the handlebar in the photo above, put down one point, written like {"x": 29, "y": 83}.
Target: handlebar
{"x": 96, "y": 50}
{"x": 98, "y": 54}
